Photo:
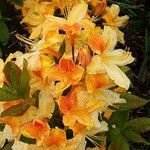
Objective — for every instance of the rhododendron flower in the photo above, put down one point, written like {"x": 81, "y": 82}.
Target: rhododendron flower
{"x": 112, "y": 19}
{"x": 16, "y": 122}
{"x": 36, "y": 129}
{"x": 109, "y": 59}
{"x": 56, "y": 139}
{"x": 67, "y": 73}
{"x": 77, "y": 106}
{"x": 66, "y": 78}
{"x": 34, "y": 12}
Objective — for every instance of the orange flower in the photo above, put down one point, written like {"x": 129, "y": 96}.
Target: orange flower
{"x": 55, "y": 138}
{"x": 84, "y": 56}
{"x": 71, "y": 31}
{"x": 66, "y": 65}
{"x": 51, "y": 44}
{"x": 13, "y": 122}
{"x": 35, "y": 129}
{"x": 97, "y": 43}
{"x": 77, "y": 106}
{"x": 78, "y": 128}
{"x": 66, "y": 72}
{"x": 97, "y": 81}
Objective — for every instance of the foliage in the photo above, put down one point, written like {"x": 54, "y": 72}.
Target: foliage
{"x": 58, "y": 94}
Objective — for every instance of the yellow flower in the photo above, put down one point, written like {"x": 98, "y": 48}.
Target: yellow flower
{"x": 50, "y": 43}
{"x": 71, "y": 25}
{"x": 37, "y": 129}
{"x": 78, "y": 106}
{"x": 34, "y": 15}
{"x": 46, "y": 104}
{"x": 109, "y": 59}
{"x": 56, "y": 139}
{"x": 76, "y": 14}
{"x": 76, "y": 143}
{"x": 99, "y": 6}
{"x": 112, "y": 19}
{"x": 16, "y": 122}
{"x": 97, "y": 81}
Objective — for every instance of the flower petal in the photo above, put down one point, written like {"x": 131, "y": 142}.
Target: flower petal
{"x": 120, "y": 57}
{"x": 117, "y": 75}
{"x": 95, "y": 66}
{"x": 108, "y": 97}
{"x": 110, "y": 36}
{"x": 35, "y": 32}
{"x": 46, "y": 104}
{"x": 77, "y": 13}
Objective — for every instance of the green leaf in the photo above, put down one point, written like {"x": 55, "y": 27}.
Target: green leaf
{"x": 18, "y": 2}
{"x": 132, "y": 102}
{"x": 4, "y": 32}
{"x": 8, "y": 146}
{"x": 118, "y": 142}
{"x": 27, "y": 140}
{"x": 139, "y": 125}
{"x": 8, "y": 95}
{"x": 18, "y": 82}
{"x": 17, "y": 110}
{"x": 134, "y": 137}
{"x": 24, "y": 87}
{"x": 36, "y": 98}
{"x": 2, "y": 126}
{"x": 12, "y": 73}
{"x": 125, "y": 69}
{"x": 119, "y": 118}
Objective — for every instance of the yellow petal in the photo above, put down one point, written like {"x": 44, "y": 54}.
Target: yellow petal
{"x": 77, "y": 13}
{"x": 46, "y": 104}
{"x": 1, "y": 72}
{"x": 57, "y": 20}
{"x": 120, "y": 57}
{"x": 2, "y": 139}
{"x": 121, "y": 21}
{"x": 117, "y": 75}
{"x": 114, "y": 10}
{"x": 108, "y": 97}
{"x": 120, "y": 35}
{"x": 35, "y": 32}
{"x": 95, "y": 66}
{"x": 110, "y": 36}
{"x": 76, "y": 143}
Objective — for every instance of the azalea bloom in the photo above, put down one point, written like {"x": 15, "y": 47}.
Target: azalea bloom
{"x": 71, "y": 67}
{"x": 109, "y": 59}
{"x": 71, "y": 25}
{"x": 51, "y": 43}
{"x": 34, "y": 15}
{"x": 112, "y": 19}
{"x": 98, "y": 85}
{"x": 67, "y": 73}
{"x": 99, "y": 6}
{"x": 56, "y": 139}
{"x": 16, "y": 122}
{"x": 36, "y": 129}
{"x": 77, "y": 106}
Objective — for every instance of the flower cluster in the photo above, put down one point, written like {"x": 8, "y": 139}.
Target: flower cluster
{"x": 57, "y": 94}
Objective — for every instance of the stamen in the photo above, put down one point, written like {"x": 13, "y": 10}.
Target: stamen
{"x": 24, "y": 39}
